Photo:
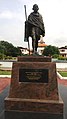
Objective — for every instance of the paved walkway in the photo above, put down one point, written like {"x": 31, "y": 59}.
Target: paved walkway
{"x": 4, "y": 82}
{"x": 62, "y": 86}
{"x": 62, "y": 81}
{"x": 2, "y": 97}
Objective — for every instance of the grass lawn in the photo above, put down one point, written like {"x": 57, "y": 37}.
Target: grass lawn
{"x": 5, "y": 72}
{"x": 63, "y": 73}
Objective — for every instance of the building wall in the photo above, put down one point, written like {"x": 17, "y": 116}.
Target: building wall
{"x": 63, "y": 52}
{"x": 40, "y": 50}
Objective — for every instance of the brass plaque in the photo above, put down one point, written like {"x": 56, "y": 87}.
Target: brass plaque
{"x": 33, "y": 75}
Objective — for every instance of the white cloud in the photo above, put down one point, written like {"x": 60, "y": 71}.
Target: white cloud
{"x": 6, "y": 14}
{"x": 1, "y": 38}
{"x": 54, "y": 16}
{"x": 11, "y": 15}
{"x": 60, "y": 41}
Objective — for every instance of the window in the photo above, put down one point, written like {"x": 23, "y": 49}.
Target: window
{"x": 62, "y": 50}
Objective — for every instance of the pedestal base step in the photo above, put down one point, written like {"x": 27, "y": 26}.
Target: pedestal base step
{"x": 34, "y": 105}
{"x": 31, "y": 115}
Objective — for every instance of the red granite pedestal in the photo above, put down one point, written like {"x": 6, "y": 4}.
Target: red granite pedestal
{"x": 34, "y": 90}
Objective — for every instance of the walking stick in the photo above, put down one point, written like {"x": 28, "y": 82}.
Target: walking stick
{"x": 27, "y": 29}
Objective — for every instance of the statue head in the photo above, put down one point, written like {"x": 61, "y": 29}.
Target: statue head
{"x": 35, "y": 7}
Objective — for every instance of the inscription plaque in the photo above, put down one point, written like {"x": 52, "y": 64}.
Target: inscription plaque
{"x": 33, "y": 75}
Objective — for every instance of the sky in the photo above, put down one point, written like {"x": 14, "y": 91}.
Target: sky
{"x": 12, "y": 18}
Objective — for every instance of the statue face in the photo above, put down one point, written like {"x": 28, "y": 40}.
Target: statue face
{"x": 35, "y": 8}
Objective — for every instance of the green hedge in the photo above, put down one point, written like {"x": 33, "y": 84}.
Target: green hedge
{"x": 62, "y": 58}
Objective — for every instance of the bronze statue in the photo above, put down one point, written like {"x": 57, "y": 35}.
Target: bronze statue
{"x": 34, "y": 27}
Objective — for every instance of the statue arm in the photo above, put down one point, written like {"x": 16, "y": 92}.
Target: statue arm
{"x": 43, "y": 28}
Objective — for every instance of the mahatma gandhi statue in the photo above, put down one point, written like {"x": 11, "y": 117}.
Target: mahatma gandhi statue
{"x": 34, "y": 27}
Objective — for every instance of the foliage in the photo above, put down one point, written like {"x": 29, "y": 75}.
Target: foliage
{"x": 55, "y": 56}
{"x": 8, "y": 49}
{"x": 62, "y": 58}
{"x": 2, "y": 56}
{"x": 8, "y": 57}
{"x": 50, "y": 50}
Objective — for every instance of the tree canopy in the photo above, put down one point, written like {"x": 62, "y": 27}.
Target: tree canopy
{"x": 50, "y": 50}
{"x": 8, "y": 49}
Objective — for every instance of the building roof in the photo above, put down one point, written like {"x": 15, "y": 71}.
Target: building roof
{"x": 22, "y": 48}
{"x": 41, "y": 43}
{"x": 63, "y": 48}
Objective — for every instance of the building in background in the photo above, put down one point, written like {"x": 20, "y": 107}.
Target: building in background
{"x": 41, "y": 46}
{"x": 63, "y": 51}
{"x": 24, "y": 50}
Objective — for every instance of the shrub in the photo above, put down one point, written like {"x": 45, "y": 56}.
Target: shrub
{"x": 61, "y": 58}
{"x": 55, "y": 56}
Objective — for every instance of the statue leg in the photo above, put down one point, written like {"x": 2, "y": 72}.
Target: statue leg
{"x": 36, "y": 44}
{"x": 33, "y": 39}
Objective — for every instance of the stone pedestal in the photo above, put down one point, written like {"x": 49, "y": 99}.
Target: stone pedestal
{"x": 33, "y": 90}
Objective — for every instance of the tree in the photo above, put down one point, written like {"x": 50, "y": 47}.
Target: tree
{"x": 50, "y": 50}
{"x": 8, "y": 49}
{"x": 2, "y": 48}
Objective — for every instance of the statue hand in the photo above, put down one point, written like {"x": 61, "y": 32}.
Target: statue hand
{"x": 43, "y": 34}
{"x": 26, "y": 22}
